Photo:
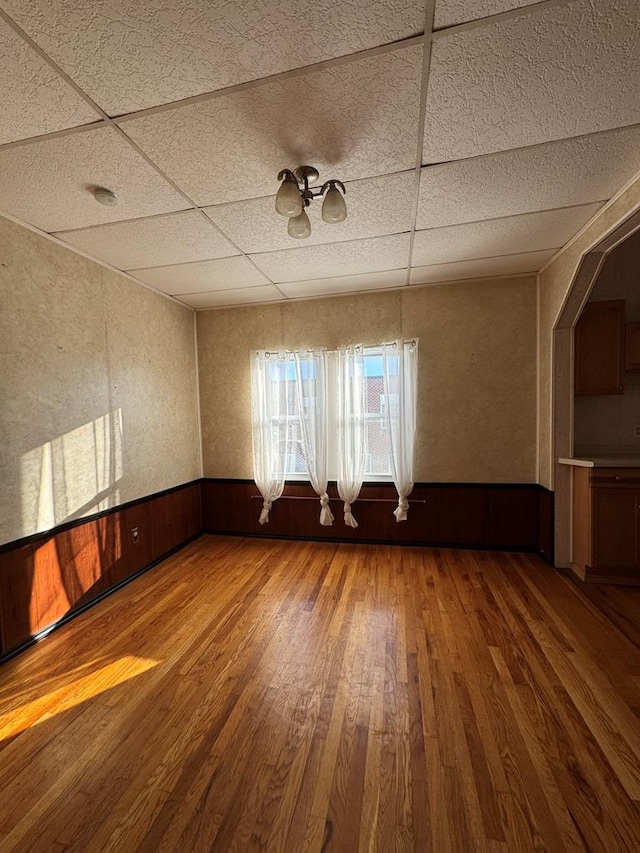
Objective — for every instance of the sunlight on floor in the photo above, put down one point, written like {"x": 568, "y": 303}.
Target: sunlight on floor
{"x": 18, "y": 719}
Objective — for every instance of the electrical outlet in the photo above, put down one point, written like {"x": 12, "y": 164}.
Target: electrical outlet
{"x": 135, "y": 535}
{"x": 636, "y": 430}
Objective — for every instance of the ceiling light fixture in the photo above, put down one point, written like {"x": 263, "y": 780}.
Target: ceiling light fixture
{"x": 295, "y": 195}
{"x": 105, "y": 196}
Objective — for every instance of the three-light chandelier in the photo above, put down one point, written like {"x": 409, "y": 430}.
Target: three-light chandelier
{"x": 295, "y": 195}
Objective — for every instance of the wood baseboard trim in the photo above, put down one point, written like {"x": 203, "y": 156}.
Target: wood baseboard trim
{"x": 578, "y": 571}
{"x": 601, "y": 574}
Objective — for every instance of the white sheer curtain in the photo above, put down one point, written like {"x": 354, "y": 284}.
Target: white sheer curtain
{"x": 312, "y": 396}
{"x": 351, "y": 427}
{"x": 269, "y": 413}
{"x": 400, "y": 379}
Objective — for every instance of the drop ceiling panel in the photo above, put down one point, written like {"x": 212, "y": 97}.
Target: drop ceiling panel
{"x": 344, "y": 284}
{"x": 484, "y": 268}
{"x": 451, "y": 12}
{"x": 558, "y": 174}
{"x": 491, "y": 237}
{"x": 48, "y": 183}
{"x": 557, "y": 72}
{"x": 376, "y": 206}
{"x": 174, "y": 238}
{"x": 129, "y": 56}
{"x": 222, "y": 298}
{"x": 35, "y": 100}
{"x": 350, "y": 121}
{"x": 222, "y": 274}
{"x": 336, "y": 259}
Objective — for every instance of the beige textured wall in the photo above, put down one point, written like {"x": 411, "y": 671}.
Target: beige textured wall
{"x": 477, "y": 381}
{"x": 97, "y": 383}
{"x": 555, "y": 283}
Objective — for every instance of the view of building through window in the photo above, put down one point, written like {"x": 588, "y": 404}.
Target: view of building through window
{"x": 377, "y": 463}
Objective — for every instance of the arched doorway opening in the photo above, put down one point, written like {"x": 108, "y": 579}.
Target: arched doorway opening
{"x": 563, "y": 378}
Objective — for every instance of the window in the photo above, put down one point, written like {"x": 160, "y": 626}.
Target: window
{"x": 377, "y": 450}
{"x": 347, "y": 416}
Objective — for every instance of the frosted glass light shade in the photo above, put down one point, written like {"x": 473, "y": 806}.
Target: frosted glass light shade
{"x": 288, "y": 198}
{"x": 334, "y": 208}
{"x": 299, "y": 226}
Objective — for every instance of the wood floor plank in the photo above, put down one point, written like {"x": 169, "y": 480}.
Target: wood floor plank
{"x": 265, "y": 695}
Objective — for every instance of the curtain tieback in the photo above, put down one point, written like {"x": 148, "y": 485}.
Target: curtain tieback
{"x": 264, "y": 515}
{"x": 401, "y": 510}
{"x": 326, "y": 516}
{"x": 349, "y": 520}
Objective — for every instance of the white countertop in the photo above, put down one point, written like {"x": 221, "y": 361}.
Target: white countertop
{"x": 613, "y": 461}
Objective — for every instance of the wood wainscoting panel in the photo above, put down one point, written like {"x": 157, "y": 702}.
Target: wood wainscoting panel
{"x": 175, "y": 517}
{"x": 53, "y": 600}
{"x": 466, "y": 515}
{"x": 164, "y": 525}
{"x": 73, "y": 567}
{"x": 136, "y": 555}
{"x": 83, "y": 569}
{"x": 51, "y": 575}
{"x": 546, "y": 528}
{"x": 18, "y": 604}
{"x": 113, "y": 543}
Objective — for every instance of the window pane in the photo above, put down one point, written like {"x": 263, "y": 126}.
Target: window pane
{"x": 376, "y": 434}
{"x": 295, "y": 461}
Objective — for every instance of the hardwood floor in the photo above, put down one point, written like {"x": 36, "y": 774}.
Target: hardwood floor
{"x": 293, "y": 696}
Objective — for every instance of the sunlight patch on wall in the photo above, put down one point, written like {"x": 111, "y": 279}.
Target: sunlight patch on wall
{"x": 72, "y": 475}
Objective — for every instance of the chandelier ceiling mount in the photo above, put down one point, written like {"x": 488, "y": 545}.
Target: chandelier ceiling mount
{"x": 296, "y": 194}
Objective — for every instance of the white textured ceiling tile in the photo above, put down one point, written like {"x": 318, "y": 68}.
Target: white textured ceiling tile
{"x": 48, "y": 183}
{"x": 129, "y": 56}
{"x": 222, "y": 298}
{"x": 221, "y": 274}
{"x": 336, "y": 259}
{"x": 558, "y": 72}
{"x": 559, "y": 174}
{"x": 375, "y": 206}
{"x": 35, "y": 100}
{"x": 488, "y": 238}
{"x": 350, "y": 121}
{"x": 482, "y": 268}
{"x": 451, "y": 12}
{"x": 344, "y": 284}
{"x": 174, "y": 238}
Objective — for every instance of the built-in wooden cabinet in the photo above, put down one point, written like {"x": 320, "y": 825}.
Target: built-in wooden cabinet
{"x": 600, "y": 349}
{"x": 632, "y": 346}
{"x": 606, "y": 524}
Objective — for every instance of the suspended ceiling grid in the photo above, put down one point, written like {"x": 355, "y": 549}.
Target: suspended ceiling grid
{"x": 475, "y": 138}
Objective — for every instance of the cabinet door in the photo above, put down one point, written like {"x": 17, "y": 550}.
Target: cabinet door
{"x": 632, "y": 341}
{"x": 599, "y": 349}
{"x": 615, "y": 528}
